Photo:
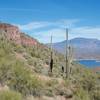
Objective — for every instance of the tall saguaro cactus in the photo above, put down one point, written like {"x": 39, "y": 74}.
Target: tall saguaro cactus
{"x": 67, "y": 63}
{"x": 69, "y": 56}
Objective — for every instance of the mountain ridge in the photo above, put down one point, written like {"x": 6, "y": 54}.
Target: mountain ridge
{"x": 13, "y": 33}
{"x": 84, "y": 48}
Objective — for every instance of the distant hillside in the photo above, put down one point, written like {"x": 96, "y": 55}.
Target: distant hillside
{"x": 84, "y": 48}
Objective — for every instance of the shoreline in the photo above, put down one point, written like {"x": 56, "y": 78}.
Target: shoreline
{"x": 97, "y": 60}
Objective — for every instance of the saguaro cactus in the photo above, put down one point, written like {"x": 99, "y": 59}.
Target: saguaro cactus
{"x": 67, "y": 65}
{"x": 69, "y": 56}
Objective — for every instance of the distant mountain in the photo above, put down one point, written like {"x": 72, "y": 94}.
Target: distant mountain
{"x": 84, "y": 48}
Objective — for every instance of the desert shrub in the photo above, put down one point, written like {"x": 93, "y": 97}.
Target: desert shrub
{"x": 64, "y": 89}
{"x": 81, "y": 94}
{"x": 50, "y": 87}
{"x": 14, "y": 73}
{"x": 5, "y": 47}
{"x": 96, "y": 95}
{"x": 88, "y": 81}
{"x": 5, "y": 67}
{"x": 30, "y": 61}
{"x": 49, "y": 92}
{"x": 51, "y": 83}
{"x": 5, "y": 73}
{"x": 10, "y": 95}
{"x": 18, "y": 77}
{"x": 35, "y": 86}
{"x": 18, "y": 48}
{"x": 24, "y": 82}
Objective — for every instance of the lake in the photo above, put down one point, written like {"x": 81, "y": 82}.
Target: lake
{"x": 90, "y": 63}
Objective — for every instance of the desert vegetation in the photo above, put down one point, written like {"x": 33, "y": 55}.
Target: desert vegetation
{"x": 25, "y": 73}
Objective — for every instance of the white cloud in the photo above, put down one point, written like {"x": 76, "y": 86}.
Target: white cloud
{"x": 33, "y": 25}
{"x": 45, "y": 24}
{"x": 57, "y": 29}
{"x": 60, "y": 35}
{"x": 44, "y": 36}
{"x": 67, "y": 23}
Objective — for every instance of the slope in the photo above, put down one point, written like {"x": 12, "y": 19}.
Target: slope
{"x": 24, "y": 70}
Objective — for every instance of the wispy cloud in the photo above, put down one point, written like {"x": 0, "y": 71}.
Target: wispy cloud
{"x": 59, "y": 34}
{"x": 33, "y": 25}
{"x": 58, "y": 30}
{"x": 87, "y": 32}
{"x": 45, "y": 24}
{"x": 44, "y": 36}
{"x": 67, "y": 23}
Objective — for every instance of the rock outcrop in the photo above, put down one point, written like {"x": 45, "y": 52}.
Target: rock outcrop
{"x": 27, "y": 40}
{"x": 13, "y": 33}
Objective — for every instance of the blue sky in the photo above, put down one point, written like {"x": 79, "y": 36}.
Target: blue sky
{"x": 41, "y": 18}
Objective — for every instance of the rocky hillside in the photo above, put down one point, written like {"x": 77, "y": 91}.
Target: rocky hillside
{"x": 24, "y": 74}
{"x": 13, "y": 33}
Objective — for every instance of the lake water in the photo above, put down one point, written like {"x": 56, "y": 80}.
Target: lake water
{"x": 90, "y": 63}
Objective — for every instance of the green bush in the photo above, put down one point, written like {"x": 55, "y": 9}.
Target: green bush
{"x": 51, "y": 83}
{"x": 82, "y": 95}
{"x": 50, "y": 87}
{"x": 10, "y": 95}
{"x": 18, "y": 48}
{"x": 15, "y": 74}
{"x": 23, "y": 81}
{"x": 18, "y": 77}
{"x": 95, "y": 95}
{"x": 88, "y": 81}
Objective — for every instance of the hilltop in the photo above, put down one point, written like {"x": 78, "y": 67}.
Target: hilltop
{"x": 24, "y": 72}
{"x": 13, "y": 33}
